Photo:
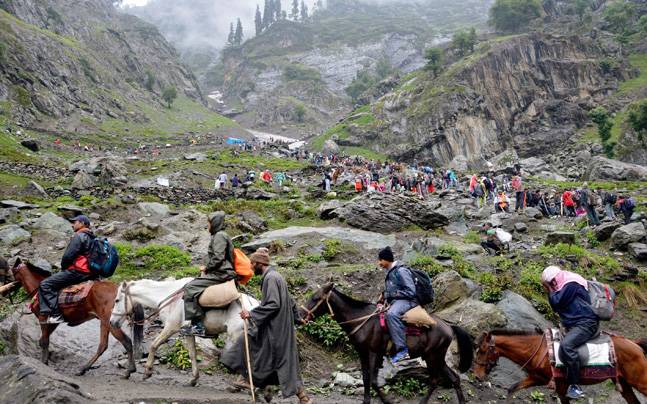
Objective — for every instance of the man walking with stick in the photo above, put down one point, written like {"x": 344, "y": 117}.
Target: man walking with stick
{"x": 271, "y": 336}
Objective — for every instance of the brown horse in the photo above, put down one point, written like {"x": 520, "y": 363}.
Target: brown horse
{"x": 528, "y": 349}
{"x": 98, "y": 304}
{"x": 363, "y": 327}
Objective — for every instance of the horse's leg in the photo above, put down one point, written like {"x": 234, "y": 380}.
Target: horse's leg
{"x": 374, "y": 366}
{"x": 560, "y": 389}
{"x": 524, "y": 384}
{"x": 45, "y": 331}
{"x": 195, "y": 372}
{"x": 104, "y": 333}
{"x": 169, "y": 329}
{"x": 456, "y": 382}
{"x": 628, "y": 392}
{"x": 366, "y": 377}
{"x": 119, "y": 334}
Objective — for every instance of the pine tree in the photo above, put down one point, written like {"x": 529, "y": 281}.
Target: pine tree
{"x": 267, "y": 14}
{"x": 304, "y": 11}
{"x": 277, "y": 10}
{"x": 231, "y": 36}
{"x": 258, "y": 20}
{"x": 238, "y": 36}
{"x": 295, "y": 10}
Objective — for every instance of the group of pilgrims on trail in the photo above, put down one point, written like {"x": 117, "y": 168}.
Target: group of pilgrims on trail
{"x": 261, "y": 336}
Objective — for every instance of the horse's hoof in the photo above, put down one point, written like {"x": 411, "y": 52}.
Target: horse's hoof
{"x": 126, "y": 376}
{"x": 81, "y": 372}
{"x": 147, "y": 375}
{"x": 193, "y": 383}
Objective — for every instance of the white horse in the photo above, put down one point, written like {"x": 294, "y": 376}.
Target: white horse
{"x": 153, "y": 295}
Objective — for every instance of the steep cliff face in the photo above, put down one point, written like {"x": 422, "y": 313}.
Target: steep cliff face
{"x": 527, "y": 92}
{"x": 66, "y": 62}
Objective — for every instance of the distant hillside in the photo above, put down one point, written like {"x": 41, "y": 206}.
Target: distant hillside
{"x": 84, "y": 67}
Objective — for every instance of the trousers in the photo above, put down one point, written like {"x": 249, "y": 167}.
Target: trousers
{"x": 50, "y": 287}
{"x": 575, "y": 337}
{"x": 396, "y": 325}
{"x": 192, "y": 291}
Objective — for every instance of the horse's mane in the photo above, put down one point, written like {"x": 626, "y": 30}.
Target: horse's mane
{"x": 350, "y": 300}
{"x": 512, "y": 333}
{"x": 33, "y": 268}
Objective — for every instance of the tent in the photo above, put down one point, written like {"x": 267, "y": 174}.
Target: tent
{"x": 234, "y": 140}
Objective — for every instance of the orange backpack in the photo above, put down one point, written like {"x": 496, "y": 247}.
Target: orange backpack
{"x": 242, "y": 266}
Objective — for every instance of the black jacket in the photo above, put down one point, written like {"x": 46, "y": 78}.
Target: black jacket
{"x": 79, "y": 245}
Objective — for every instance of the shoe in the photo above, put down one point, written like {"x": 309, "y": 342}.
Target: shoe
{"x": 55, "y": 320}
{"x": 196, "y": 330}
{"x": 574, "y": 392}
{"x": 403, "y": 355}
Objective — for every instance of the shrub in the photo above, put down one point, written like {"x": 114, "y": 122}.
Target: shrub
{"x": 150, "y": 80}
{"x": 326, "y": 331}
{"x": 434, "y": 58}
{"x": 301, "y": 73}
{"x": 87, "y": 69}
{"x": 169, "y": 95}
{"x": 472, "y": 237}
{"x": 427, "y": 264}
{"x": 331, "y": 249}
{"x": 638, "y": 119}
{"x": 22, "y": 96}
{"x": 178, "y": 356}
{"x": 513, "y": 15}
{"x": 407, "y": 388}
{"x": 162, "y": 260}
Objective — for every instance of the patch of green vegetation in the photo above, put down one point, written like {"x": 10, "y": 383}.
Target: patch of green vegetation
{"x": 249, "y": 160}
{"x": 64, "y": 40}
{"x": 178, "y": 356}
{"x": 298, "y": 72}
{"x": 606, "y": 185}
{"x": 326, "y": 331}
{"x": 152, "y": 261}
{"x": 22, "y": 96}
{"x": 472, "y": 237}
{"x": 331, "y": 249}
{"x": 8, "y": 180}
{"x": 589, "y": 265}
{"x": 87, "y": 69}
{"x": 407, "y": 387}
{"x": 639, "y": 61}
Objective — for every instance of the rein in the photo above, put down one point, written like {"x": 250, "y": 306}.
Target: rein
{"x": 492, "y": 356}
{"x": 326, "y": 299}
{"x": 167, "y": 301}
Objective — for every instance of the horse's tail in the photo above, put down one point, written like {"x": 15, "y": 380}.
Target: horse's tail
{"x": 643, "y": 344}
{"x": 138, "y": 330}
{"x": 465, "y": 348}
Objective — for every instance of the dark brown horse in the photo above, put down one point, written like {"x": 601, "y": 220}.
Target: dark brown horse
{"x": 370, "y": 340}
{"x": 528, "y": 349}
{"x": 98, "y": 304}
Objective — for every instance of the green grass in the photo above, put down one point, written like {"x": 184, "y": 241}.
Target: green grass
{"x": 606, "y": 185}
{"x": 640, "y": 61}
{"x": 157, "y": 261}
{"x": 64, "y": 40}
{"x": 8, "y": 180}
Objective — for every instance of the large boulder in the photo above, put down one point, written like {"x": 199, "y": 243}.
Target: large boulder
{"x": 604, "y": 231}
{"x": 13, "y": 234}
{"x": 565, "y": 237}
{"x": 34, "y": 188}
{"x": 638, "y": 251}
{"x": 520, "y": 313}
{"x": 31, "y": 144}
{"x": 475, "y": 316}
{"x": 449, "y": 288}
{"x": 459, "y": 163}
{"x": 10, "y": 203}
{"x": 533, "y": 165}
{"x": 107, "y": 170}
{"x": 326, "y": 210}
{"x": 533, "y": 213}
{"x": 259, "y": 194}
{"x": 29, "y": 381}
{"x": 8, "y": 215}
{"x": 330, "y": 147}
{"x": 388, "y": 213}
{"x": 630, "y": 233}
{"x": 50, "y": 221}
{"x": 154, "y": 210}
{"x": 195, "y": 157}
{"x": 83, "y": 180}
{"x": 602, "y": 168}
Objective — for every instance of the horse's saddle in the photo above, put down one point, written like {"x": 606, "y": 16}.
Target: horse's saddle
{"x": 75, "y": 294}
{"x": 598, "y": 351}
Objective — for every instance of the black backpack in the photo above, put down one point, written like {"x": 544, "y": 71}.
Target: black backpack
{"x": 102, "y": 258}
{"x": 424, "y": 290}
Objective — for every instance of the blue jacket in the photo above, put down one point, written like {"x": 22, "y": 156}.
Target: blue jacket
{"x": 399, "y": 284}
{"x": 573, "y": 304}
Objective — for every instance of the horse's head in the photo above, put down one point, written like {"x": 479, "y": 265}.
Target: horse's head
{"x": 123, "y": 306}
{"x": 317, "y": 305}
{"x": 487, "y": 356}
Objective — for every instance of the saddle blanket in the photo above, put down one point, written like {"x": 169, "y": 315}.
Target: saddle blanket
{"x": 75, "y": 294}
{"x": 599, "y": 350}
{"x": 598, "y": 357}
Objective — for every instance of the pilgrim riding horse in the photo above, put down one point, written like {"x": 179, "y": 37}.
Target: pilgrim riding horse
{"x": 530, "y": 350}
{"x": 97, "y": 304}
{"x": 361, "y": 321}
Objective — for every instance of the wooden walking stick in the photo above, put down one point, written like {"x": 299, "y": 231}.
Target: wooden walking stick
{"x": 247, "y": 355}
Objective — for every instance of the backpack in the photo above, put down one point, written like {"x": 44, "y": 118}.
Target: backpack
{"x": 503, "y": 236}
{"x": 424, "y": 290}
{"x": 242, "y": 266}
{"x": 102, "y": 257}
{"x": 612, "y": 198}
{"x": 603, "y": 300}
{"x": 593, "y": 200}
{"x": 630, "y": 203}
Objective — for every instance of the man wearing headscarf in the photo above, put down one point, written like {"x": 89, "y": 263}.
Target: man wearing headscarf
{"x": 219, "y": 269}
{"x": 568, "y": 297}
{"x": 272, "y": 335}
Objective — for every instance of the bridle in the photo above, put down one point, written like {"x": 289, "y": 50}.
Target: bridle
{"x": 492, "y": 355}
{"x": 326, "y": 299}
{"x": 129, "y": 314}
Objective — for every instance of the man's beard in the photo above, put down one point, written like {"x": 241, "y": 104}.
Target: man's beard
{"x": 258, "y": 270}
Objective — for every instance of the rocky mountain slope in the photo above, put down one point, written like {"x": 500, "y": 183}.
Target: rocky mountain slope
{"x": 85, "y": 67}
{"x": 307, "y": 66}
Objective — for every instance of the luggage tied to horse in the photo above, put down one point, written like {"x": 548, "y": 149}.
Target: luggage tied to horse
{"x": 75, "y": 294}
{"x": 219, "y": 295}
{"x": 598, "y": 357}
{"x": 415, "y": 319}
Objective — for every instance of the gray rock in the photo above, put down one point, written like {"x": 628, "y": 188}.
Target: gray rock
{"x": 31, "y": 144}
{"x": 346, "y": 380}
{"x": 83, "y": 180}
{"x": 36, "y": 189}
{"x": 520, "y": 313}
{"x": 474, "y": 315}
{"x": 154, "y": 209}
{"x": 259, "y": 194}
{"x": 13, "y": 234}
{"x": 251, "y": 222}
{"x": 630, "y": 233}
{"x": 390, "y": 212}
{"x": 602, "y": 168}
{"x": 533, "y": 165}
{"x": 195, "y": 157}
{"x": 10, "y": 203}
{"x": 638, "y": 251}
{"x": 533, "y": 213}
{"x": 459, "y": 163}
{"x": 432, "y": 246}
{"x": 520, "y": 227}
{"x": 326, "y": 210}
{"x": 26, "y": 380}
{"x": 70, "y": 211}
{"x": 53, "y": 222}
{"x": 604, "y": 231}
{"x": 330, "y": 147}
{"x": 557, "y": 237}
{"x": 8, "y": 214}
{"x": 41, "y": 263}
{"x": 449, "y": 288}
